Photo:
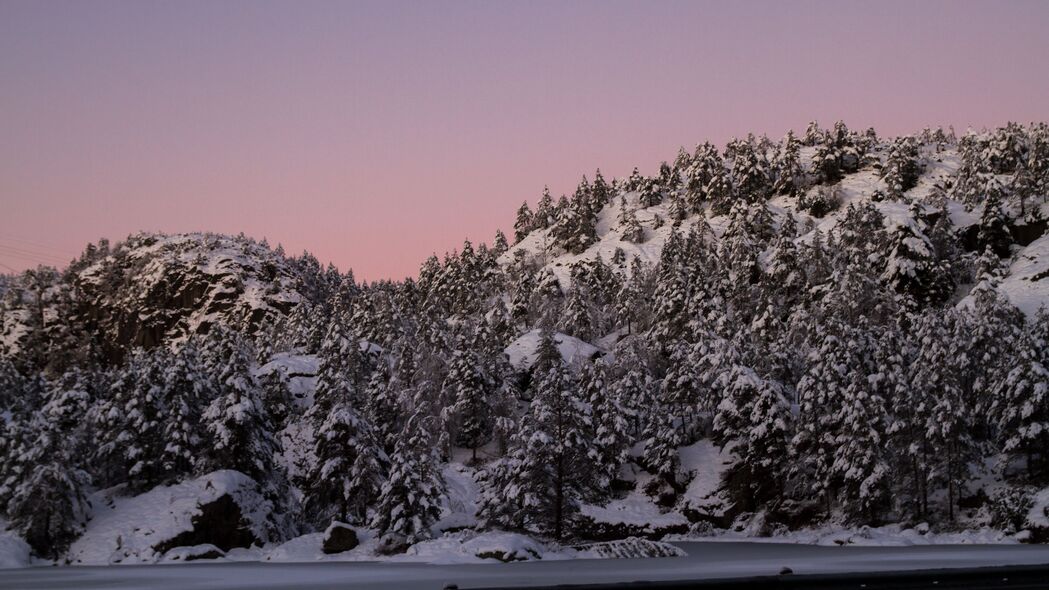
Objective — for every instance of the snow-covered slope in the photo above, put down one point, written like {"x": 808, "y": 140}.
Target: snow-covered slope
{"x": 137, "y": 529}
{"x": 522, "y": 351}
{"x": 1025, "y": 283}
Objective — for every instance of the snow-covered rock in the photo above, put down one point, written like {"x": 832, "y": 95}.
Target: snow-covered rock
{"x": 632, "y": 548}
{"x": 522, "y": 351}
{"x": 14, "y": 552}
{"x": 1027, "y": 282}
{"x": 142, "y": 528}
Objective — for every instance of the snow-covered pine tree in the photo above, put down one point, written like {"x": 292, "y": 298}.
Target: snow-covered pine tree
{"x": 786, "y": 167}
{"x": 861, "y": 460}
{"x": 577, "y": 317}
{"x": 826, "y": 162}
{"x": 238, "y": 424}
{"x": 813, "y": 134}
{"x": 820, "y": 394}
{"x": 630, "y": 227}
{"x": 186, "y": 392}
{"x": 902, "y": 167}
{"x": 382, "y": 406}
{"x": 348, "y": 467}
{"x": 465, "y": 387}
{"x": 679, "y": 391}
{"x": 662, "y": 439}
{"x": 543, "y": 218}
{"x": 912, "y": 268}
{"x": 754, "y": 420}
{"x": 410, "y": 501}
{"x": 1022, "y": 399}
{"x": 609, "y": 437}
{"x": 633, "y": 389}
{"x": 48, "y": 505}
{"x": 994, "y": 227}
{"x": 750, "y": 177}
{"x": 523, "y": 225}
{"x": 550, "y": 470}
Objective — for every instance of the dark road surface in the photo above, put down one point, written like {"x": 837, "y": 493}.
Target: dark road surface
{"x": 708, "y": 565}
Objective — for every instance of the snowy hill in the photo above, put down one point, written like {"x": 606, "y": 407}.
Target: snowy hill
{"x": 835, "y": 338}
{"x": 1023, "y": 282}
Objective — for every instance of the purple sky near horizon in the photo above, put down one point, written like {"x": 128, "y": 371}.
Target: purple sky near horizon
{"x": 376, "y": 133}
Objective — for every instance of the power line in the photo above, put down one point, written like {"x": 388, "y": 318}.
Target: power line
{"x": 35, "y": 245}
{"x": 15, "y": 250}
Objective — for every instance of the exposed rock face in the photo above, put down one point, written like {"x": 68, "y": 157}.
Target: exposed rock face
{"x": 339, "y": 537}
{"x": 220, "y": 523}
{"x": 168, "y": 287}
{"x": 153, "y": 289}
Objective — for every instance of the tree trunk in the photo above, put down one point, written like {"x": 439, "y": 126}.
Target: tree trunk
{"x": 560, "y": 496}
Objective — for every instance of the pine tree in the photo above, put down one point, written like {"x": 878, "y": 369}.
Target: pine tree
{"x": 680, "y": 388}
{"x": 994, "y": 228}
{"x": 902, "y": 167}
{"x": 49, "y": 507}
{"x": 466, "y": 389}
{"x": 1022, "y": 399}
{"x": 912, "y": 268}
{"x": 524, "y": 223}
{"x": 631, "y": 228}
{"x": 575, "y": 229}
{"x": 826, "y": 162}
{"x": 577, "y": 315}
{"x": 548, "y": 469}
{"x": 382, "y": 407}
{"x": 749, "y": 175}
{"x": 609, "y": 436}
{"x": 185, "y": 392}
{"x": 410, "y": 501}
{"x": 861, "y": 461}
{"x": 662, "y": 440}
{"x": 820, "y": 392}
{"x": 347, "y": 473}
{"x": 787, "y": 166}
{"x": 754, "y": 419}
{"x": 240, "y": 431}
{"x": 499, "y": 244}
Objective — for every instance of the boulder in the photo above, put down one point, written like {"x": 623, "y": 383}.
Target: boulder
{"x": 205, "y": 551}
{"x": 219, "y": 523}
{"x": 391, "y": 544}
{"x": 339, "y": 537}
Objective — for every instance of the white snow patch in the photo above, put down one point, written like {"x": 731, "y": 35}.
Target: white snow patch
{"x": 523, "y": 351}
{"x": 14, "y": 552}
{"x": 126, "y": 529}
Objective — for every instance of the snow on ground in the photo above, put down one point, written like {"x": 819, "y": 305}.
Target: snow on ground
{"x": 885, "y": 536}
{"x": 539, "y": 245}
{"x": 301, "y": 372}
{"x": 635, "y": 509}
{"x": 460, "y": 503}
{"x": 707, "y": 463}
{"x": 126, "y": 529}
{"x": 1038, "y": 515}
{"x": 1027, "y": 284}
{"x": 703, "y": 561}
{"x": 522, "y": 351}
{"x": 14, "y": 552}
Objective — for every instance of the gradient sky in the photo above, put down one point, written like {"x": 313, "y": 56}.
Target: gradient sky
{"x": 376, "y": 133}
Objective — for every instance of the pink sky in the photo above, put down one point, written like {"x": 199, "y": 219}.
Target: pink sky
{"x": 374, "y": 134}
